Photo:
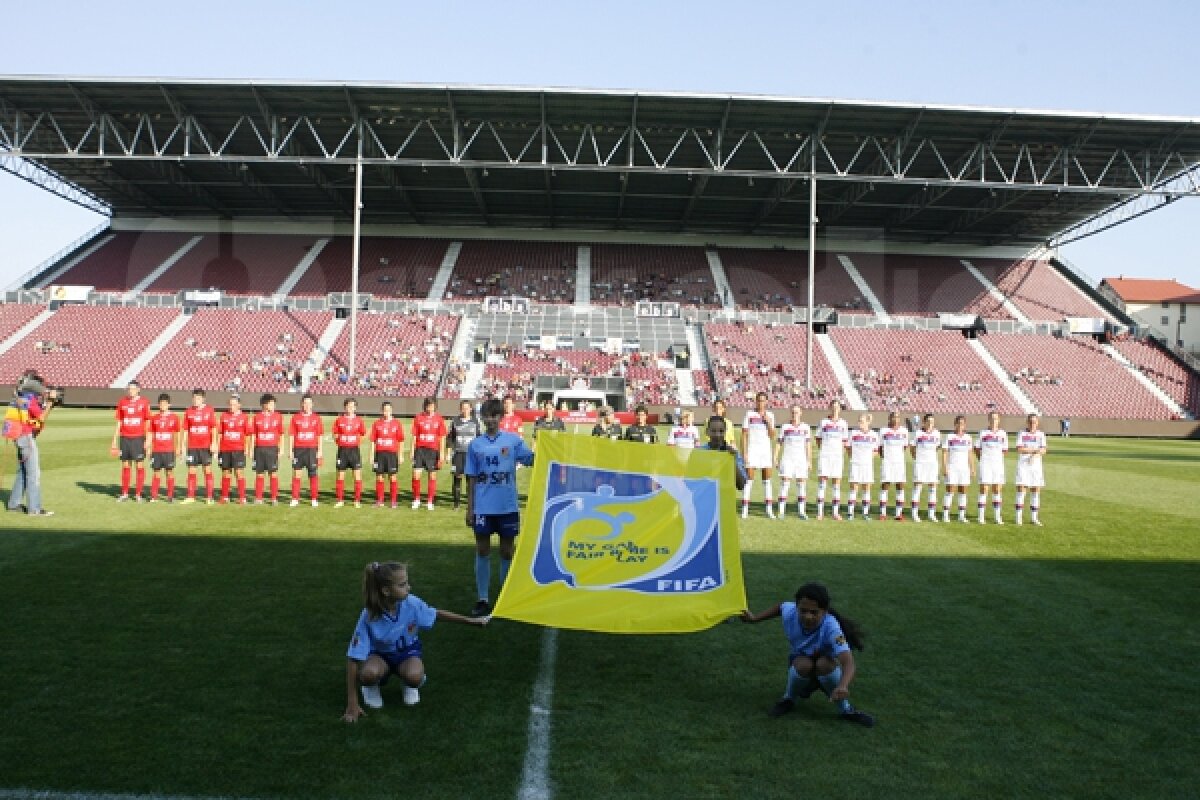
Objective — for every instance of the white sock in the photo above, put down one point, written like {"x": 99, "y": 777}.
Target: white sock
{"x": 767, "y": 497}
{"x": 899, "y": 502}
{"x": 883, "y": 500}
{"x": 746, "y": 491}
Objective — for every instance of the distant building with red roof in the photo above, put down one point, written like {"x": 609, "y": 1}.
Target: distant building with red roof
{"x": 1169, "y": 308}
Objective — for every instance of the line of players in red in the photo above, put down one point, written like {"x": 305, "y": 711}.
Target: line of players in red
{"x": 235, "y": 437}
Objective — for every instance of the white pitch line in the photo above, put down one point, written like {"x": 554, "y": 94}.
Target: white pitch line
{"x": 535, "y": 777}
{"x": 46, "y": 794}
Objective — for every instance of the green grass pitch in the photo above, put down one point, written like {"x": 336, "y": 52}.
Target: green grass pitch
{"x": 197, "y": 650}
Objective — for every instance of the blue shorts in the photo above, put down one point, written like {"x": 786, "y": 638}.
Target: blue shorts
{"x": 397, "y": 657}
{"x": 506, "y": 526}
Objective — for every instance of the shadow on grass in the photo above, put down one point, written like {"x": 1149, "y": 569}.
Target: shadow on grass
{"x": 215, "y": 666}
{"x": 105, "y": 489}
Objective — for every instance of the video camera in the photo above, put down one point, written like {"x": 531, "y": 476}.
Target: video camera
{"x": 31, "y": 382}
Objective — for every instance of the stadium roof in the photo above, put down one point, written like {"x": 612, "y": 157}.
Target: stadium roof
{"x": 1153, "y": 290}
{"x": 590, "y": 159}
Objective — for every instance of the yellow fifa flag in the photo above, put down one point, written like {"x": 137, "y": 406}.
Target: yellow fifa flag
{"x": 625, "y": 537}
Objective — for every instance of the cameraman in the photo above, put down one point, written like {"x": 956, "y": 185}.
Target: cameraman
{"x": 23, "y": 422}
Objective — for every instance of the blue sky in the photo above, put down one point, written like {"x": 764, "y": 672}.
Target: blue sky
{"x": 1069, "y": 54}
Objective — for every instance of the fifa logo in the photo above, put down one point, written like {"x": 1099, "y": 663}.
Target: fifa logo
{"x": 650, "y": 534}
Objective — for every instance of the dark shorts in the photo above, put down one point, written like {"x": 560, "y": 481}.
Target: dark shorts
{"x": 459, "y": 463}
{"x": 231, "y": 459}
{"x": 199, "y": 457}
{"x": 349, "y": 458}
{"x": 266, "y": 459}
{"x": 162, "y": 461}
{"x": 386, "y": 463}
{"x": 506, "y": 526}
{"x": 397, "y": 657}
{"x": 133, "y": 448}
{"x": 425, "y": 458}
{"x": 305, "y": 458}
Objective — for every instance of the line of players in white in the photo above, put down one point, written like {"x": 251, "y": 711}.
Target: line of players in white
{"x": 955, "y": 457}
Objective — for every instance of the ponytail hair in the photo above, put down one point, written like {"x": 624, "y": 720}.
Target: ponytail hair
{"x": 376, "y": 576}
{"x": 820, "y": 595}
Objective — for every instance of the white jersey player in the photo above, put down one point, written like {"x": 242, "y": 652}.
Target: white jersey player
{"x": 924, "y": 448}
{"x": 863, "y": 444}
{"x": 991, "y": 446}
{"x": 684, "y": 435}
{"x": 793, "y": 453}
{"x": 894, "y": 443}
{"x": 758, "y": 432}
{"x": 958, "y": 465}
{"x": 1031, "y": 446}
{"x": 831, "y": 433}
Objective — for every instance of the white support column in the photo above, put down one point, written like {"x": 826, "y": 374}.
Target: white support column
{"x": 358, "y": 180}
{"x": 812, "y": 271}
{"x": 720, "y": 280}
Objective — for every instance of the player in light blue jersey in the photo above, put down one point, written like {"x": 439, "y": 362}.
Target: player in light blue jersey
{"x": 492, "y": 507}
{"x": 386, "y": 639}
{"x": 821, "y": 641}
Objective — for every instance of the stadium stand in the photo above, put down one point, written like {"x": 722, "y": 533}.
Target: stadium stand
{"x": 1180, "y": 383}
{"x": 14, "y": 315}
{"x": 388, "y": 267}
{"x": 702, "y": 381}
{"x": 622, "y": 274}
{"x": 86, "y": 345}
{"x": 1073, "y": 376}
{"x": 237, "y": 350}
{"x": 920, "y": 371}
{"x": 924, "y": 286}
{"x": 1037, "y": 289}
{"x": 748, "y": 358}
{"x": 241, "y": 264}
{"x": 398, "y": 355}
{"x": 542, "y": 271}
{"x": 764, "y": 279}
{"x": 125, "y": 260}
{"x": 518, "y": 368}
{"x": 648, "y": 381}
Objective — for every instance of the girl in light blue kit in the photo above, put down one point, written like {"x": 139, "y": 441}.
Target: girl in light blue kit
{"x": 386, "y": 638}
{"x": 820, "y": 657}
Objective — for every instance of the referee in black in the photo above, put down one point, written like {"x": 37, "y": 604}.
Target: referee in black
{"x": 463, "y": 429}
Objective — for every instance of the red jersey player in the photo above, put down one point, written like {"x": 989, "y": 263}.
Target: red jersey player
{"x": 348, "y": 431}
{"x": 200, "y": 421}
{"x": 386, "y": 435}
{"x": 129, "y": 438}
{"x": 428, "y": 430}
{"x": 510, "y": 421}
{"x": 162, "y": 439}
{"x": 231, "y": 456}
{"x": 305, "y": 432}
{"x": 267, "y": 429}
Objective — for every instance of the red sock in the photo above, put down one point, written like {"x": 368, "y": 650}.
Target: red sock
{"x": 224, "y": 487}
{"x": 358, "y": 491}
{"x": 154, "y": 486}
{"x": 379, "y": 491}
{"x": 274, "y": 487}
{"x": 141, "y": 479}
{"x": 258, "y": 487}
{"x": 170, "y": 486}
{"x": 209, "y": 485}
{"x": 295, "y": 487}
{"x": 313, "y": 484}
{"x": 339, "y": 488}
{"x": 241, "y": 488}
{"x": 191, "y": 485}
{"x": 124, "y": 480}
{"x": 417, "y": 489}
{"x": 432, "y": 486}
{"x": 395, "y": 487}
